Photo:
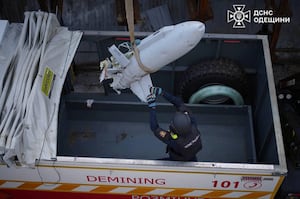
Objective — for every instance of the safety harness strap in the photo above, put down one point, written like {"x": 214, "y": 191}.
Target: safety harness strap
{"x": 130, "y": 23}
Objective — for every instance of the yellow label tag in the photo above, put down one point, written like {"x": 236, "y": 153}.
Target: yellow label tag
{"x": 47, "y": 81}
{"x": 174, "y": 136}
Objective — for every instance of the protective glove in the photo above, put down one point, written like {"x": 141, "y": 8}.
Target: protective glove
{"x": 155, "y": 90}
{"x": 151, "y": 98}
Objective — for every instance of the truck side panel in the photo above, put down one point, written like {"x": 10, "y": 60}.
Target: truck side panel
{"x": 139, "y": 182}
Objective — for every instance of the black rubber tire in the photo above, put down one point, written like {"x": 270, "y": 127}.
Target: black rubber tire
{"x": 213, "y": 72}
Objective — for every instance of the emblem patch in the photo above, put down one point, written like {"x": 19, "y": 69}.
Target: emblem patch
{"x": 162, "y": 133}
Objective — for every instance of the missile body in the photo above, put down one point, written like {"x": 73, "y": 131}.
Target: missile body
{"x": 156, "y": 50}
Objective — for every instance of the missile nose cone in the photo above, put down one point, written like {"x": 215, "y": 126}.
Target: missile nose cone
{"x": 197, "y": 27}
{"x": 196, "y": 31}
{"x": 200, "y": 27}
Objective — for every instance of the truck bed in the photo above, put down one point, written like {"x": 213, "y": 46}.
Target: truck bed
{"x": 115, "y": 129}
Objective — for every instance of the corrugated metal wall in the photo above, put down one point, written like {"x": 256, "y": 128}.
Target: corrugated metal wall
{"x": 101, "y": 14}
{"x": 90, "y": 15}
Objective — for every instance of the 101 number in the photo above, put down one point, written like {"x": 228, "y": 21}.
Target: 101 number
{"x": 225, "y": 184}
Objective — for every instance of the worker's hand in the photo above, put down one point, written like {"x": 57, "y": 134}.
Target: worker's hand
{"x": 151, "y": 98}
{"x": 155, "y": 90}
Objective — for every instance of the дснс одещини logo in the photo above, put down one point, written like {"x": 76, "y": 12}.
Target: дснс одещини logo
{"x": 239, "y": 16}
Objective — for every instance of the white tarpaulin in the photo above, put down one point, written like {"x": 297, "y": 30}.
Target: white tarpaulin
{"x": 30, "y": 95}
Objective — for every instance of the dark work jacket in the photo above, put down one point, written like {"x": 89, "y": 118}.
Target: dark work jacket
{"x": 184, "y": 148}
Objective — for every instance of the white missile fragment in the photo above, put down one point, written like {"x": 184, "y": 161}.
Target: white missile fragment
{"x": 157, "y": 50}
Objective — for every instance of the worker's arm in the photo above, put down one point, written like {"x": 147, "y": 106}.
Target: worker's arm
{"x": 160, "y": 133}
{"x": 153, "y": 120}
{"x": 176, "y": 101}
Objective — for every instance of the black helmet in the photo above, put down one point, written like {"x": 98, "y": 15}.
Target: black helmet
{"x": 181, "y": 123}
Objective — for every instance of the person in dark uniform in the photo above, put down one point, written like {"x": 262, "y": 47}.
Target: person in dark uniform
{"x": 183, "y": 138}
